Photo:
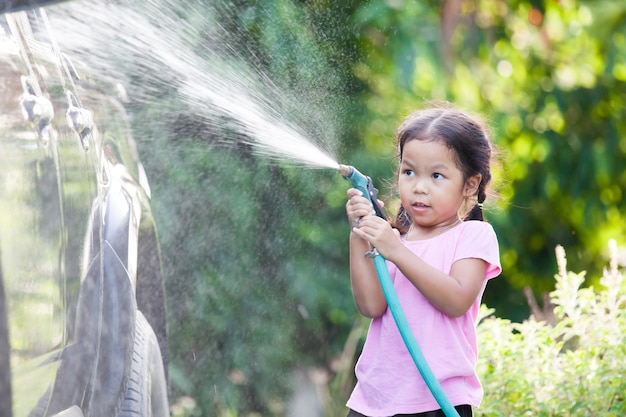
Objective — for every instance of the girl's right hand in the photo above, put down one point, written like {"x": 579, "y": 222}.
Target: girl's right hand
{"x": 358, "y": 206}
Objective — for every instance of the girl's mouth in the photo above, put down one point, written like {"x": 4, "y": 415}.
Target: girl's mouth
{"x": 418, "y": 207}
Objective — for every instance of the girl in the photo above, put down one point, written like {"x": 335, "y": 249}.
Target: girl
{"x": 440, "y": 255}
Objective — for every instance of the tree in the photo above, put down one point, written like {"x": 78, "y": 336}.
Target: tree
{"x": 549, "y": 77}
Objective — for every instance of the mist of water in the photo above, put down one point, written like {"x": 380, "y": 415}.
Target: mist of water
{"x": 235, "y": 102}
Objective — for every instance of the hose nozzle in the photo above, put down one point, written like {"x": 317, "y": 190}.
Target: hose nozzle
{"x": 345, "y": 170}
{"x": 364, "y": 184}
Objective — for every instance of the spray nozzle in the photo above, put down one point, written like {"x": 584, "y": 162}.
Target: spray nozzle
{"x": 346, "y": 170}
{"x": 364, "y": 184}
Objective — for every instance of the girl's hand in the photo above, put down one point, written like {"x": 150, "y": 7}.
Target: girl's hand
{"x": 358, "y": 206}
{"x": 379, "y": 233}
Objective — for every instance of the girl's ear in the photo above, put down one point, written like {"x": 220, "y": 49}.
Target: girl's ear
{"x": 472, "y": 184}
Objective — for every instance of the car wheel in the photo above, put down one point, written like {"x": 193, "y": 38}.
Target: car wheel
{"x": 146, "y": 391}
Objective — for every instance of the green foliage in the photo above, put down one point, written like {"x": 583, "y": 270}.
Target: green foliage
{"x": 571, "y": 368}
{"x": 549, "y": 76}
{"x": 253, "y": 291}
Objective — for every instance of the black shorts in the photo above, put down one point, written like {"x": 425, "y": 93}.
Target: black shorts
{"x": 463, "y": 410}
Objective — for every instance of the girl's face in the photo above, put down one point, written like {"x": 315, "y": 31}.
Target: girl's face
{"x": 431, "y": 186}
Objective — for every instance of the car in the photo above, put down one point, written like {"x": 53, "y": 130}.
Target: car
{"x": 82, "y": 302}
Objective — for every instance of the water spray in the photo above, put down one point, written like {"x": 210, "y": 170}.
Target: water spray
{"x": 364, "y": 184}
{"x": 214, "y": 91}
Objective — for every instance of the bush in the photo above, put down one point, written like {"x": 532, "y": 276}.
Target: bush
{"x": 574, "y": 366}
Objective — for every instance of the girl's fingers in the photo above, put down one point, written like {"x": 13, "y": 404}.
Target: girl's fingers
{"x": 358, "y": 207}
{"x": 373, "y": 227}
{"x": 353, "y": 192}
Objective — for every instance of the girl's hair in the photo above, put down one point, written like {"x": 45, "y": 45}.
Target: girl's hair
{"x": 467, "y": 136}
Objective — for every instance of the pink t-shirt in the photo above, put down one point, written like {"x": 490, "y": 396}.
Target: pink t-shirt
{"x": 388, "y": 381}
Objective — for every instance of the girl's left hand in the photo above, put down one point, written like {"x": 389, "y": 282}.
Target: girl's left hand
{"x": 379, "y": 233}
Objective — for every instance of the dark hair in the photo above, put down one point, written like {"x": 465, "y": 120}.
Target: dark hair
{"x": 469, "y": 138}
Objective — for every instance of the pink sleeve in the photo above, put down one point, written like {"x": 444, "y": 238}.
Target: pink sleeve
{"x": 478, "y": 240}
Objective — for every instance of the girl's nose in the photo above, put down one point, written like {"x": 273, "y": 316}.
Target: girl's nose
{"x": 420, "y": 186}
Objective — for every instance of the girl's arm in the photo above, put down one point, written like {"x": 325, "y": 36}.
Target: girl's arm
{"x": 452, "y": 294}
{"x": 366, "y": 290}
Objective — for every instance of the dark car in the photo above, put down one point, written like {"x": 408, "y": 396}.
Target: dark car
{"x": 82, "y": 306}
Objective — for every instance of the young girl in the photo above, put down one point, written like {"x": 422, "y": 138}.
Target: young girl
{"x": 440, "y": 255}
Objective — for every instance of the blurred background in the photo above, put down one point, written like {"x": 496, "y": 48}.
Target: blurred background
{"x": 255, "y": 250}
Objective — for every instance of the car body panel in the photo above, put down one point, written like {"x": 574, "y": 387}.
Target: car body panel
{"x": 79, "y": 253}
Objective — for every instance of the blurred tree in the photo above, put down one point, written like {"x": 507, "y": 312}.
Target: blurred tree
{"x": 549, "y": 76}
{"x": 255, "y": 283}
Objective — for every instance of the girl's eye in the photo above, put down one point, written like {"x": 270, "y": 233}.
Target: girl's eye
{"x": 408, "y": 172}
{"x": 438, "y": 176}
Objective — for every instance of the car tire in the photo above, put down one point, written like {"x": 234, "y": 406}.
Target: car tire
{"x": 146, "y": 391}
